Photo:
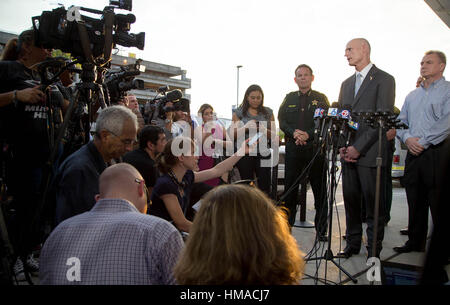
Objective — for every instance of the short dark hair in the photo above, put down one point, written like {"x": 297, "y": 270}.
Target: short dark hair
{"x": 149, "y": 133}
{"x": 439, "y": 54}
{"x": 303, "y": 66}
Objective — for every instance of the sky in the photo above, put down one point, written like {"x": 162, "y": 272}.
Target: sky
{"x": 209, "y": 38}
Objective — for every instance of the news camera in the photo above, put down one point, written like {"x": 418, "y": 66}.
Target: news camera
{"x": 175, "y": 97}
{"x": 119, "y": 82}
{"x": 85, "y": 38}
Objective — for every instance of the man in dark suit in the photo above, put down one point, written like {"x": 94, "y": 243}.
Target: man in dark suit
{"x": 369, "y": 89}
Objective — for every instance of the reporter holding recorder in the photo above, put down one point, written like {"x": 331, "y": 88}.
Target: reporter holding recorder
{"x": 252, "y": 115}
{"x": 178, "y": 163}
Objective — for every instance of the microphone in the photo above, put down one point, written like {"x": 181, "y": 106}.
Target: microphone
{"x": 353, "y": 127}
{"x": 319, "y": 119}
{"x": 331, "y": 114}
{"x": 344, "y": 115}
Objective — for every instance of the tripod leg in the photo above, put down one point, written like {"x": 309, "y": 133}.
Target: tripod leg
{"x": 7, "y": 249}
{"x": 345, "y": 272}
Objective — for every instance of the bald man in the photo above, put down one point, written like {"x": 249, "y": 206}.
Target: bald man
{"x": 115, "y": 243}
{"x": 369, "y": 89}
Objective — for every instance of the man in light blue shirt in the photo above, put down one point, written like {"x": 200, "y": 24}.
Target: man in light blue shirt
{"x": 426, "y": 111}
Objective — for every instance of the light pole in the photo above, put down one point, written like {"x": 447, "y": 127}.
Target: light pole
{"x": 237, "y": 94}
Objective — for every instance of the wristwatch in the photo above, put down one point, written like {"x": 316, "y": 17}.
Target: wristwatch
{"x": 167, "y": 121}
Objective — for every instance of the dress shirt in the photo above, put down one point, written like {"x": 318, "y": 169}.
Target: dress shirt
{"x": 365, "y": 71}
{"x": 115, "y": 245}
{"x": 426, "y": 111}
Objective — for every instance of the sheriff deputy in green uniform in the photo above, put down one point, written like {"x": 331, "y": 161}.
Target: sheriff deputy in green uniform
{"x": 296, "y": 117}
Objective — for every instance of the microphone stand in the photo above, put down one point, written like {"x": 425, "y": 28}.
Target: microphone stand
{"x": 379, "y": 162}
{"x": 329, "y": 256}
{"x": 380, "y": 119}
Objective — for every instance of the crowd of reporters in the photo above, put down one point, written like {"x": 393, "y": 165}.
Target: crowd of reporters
{"x": 79, "y": 180}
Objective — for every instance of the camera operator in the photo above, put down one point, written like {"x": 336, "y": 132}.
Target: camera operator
{"x": 148, "y": 110}
{"x": 66, "y": 84}
{"x": 182, "y": 121}
{"x": 162, "y": 110}
{"x": 23, "y": 117}
{"x": 164, "y": 121}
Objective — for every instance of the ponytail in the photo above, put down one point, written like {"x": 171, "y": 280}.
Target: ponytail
{"x": 14, "y": 48}
{"x": 10, "y": 51}
{"x": 168, "y": 158}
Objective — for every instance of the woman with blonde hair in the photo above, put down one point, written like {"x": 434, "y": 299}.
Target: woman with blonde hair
{"x": 239, "y": 237}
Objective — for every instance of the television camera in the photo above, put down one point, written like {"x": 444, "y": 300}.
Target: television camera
{"x": 119, "y": 82}
{"x": 87, "y": 39}
{"x": 174, "y": 97}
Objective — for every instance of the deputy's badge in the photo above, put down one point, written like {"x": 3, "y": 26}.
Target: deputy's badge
{"x": 314, "y": 103}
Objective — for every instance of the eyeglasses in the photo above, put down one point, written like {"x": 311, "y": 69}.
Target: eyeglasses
{"x": 139, "y": 181}
{"x": 126, "y": 142}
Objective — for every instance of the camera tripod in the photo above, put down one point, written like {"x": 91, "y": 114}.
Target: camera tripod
{"x": 6, "y": 249}
{"x": 87, "y": 92}
{"x": 36, "y": 227}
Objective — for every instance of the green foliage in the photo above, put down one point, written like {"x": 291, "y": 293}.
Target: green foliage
{"x": 59, "y": 53}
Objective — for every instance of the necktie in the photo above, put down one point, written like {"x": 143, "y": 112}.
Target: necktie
{"x": 358, "y": 82}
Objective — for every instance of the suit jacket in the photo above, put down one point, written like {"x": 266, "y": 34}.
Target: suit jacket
{"x": 377, "y": 92}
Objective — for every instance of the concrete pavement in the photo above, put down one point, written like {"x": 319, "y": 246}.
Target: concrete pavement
{"x": 325, "y": 272}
